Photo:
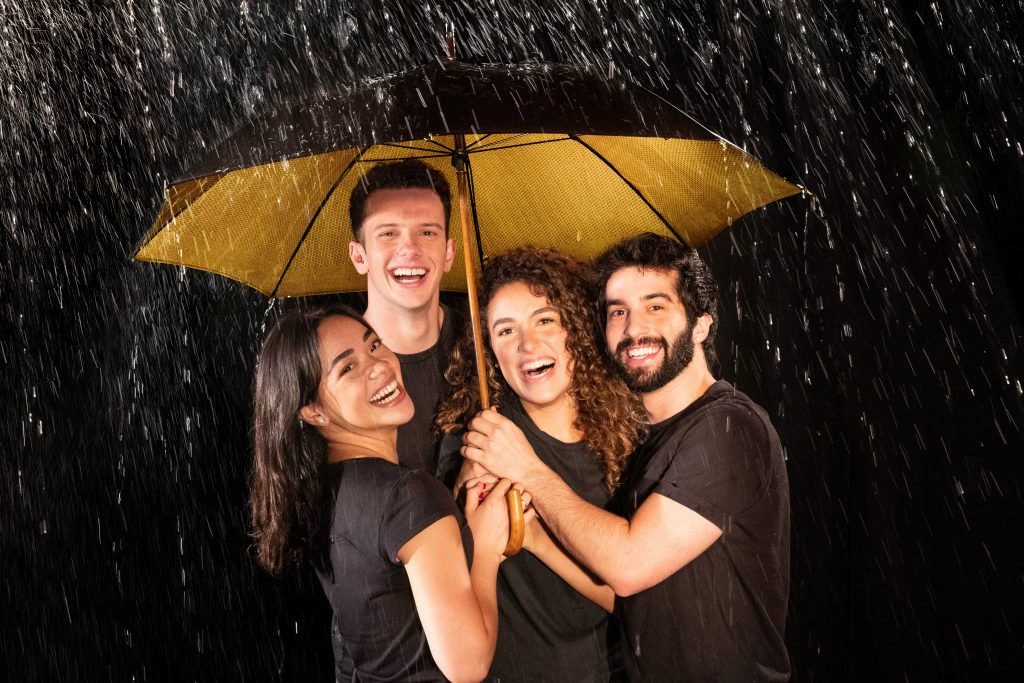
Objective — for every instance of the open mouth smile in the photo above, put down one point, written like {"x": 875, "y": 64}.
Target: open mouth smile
{"x": 537, "y": 369}
{"x": 641, "y": 353}
{"x": 387, "y": 395}
{"x": 408, "y": 275}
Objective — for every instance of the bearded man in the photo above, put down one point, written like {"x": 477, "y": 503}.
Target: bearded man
{"x": 695, "y": 542}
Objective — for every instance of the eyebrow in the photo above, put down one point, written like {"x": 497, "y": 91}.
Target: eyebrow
{"x": 646, "y": 297}
{"x": 347, "y": 352}
{"x": 545, "y": 309}
{"x": 395, "y": 224}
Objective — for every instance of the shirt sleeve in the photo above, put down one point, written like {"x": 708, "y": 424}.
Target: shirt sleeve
{"x": 417, "y": 501}
{"x": 720, "y": 465}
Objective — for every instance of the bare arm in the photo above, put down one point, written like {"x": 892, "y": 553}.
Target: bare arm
{"x": 458, "y": 607}
{"x": 629, "y": 556}
{"x": 548, "y": 551}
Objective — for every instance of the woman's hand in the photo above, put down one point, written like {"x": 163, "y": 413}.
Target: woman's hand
{"x": 487, "y": 514}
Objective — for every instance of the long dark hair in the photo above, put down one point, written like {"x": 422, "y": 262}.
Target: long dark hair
{"x": 288, "y": 493}
{"x": 608, "y": 414}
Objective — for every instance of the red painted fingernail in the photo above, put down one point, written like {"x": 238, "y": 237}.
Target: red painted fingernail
{"x": 483, "y": 486}
{"x": 481, "y": 495}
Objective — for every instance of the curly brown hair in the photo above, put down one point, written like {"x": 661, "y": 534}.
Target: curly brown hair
{"x": 608, "y": 414}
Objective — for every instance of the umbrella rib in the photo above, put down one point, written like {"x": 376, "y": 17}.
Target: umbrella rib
{"x": 573, "y": 136}
{"x": 305, "y": 233}
{"x": 481, "y": 150}
{"x": 479, "y": 140}
{"x": 472, "y": 206}
{"x": 418, "y": 149}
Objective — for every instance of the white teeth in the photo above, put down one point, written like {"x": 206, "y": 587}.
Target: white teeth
{"x": 385, "y": 393}
{"x": 642, "y": 351}
{"x": 409, "y": 272}
{"x": 535, "y": 365}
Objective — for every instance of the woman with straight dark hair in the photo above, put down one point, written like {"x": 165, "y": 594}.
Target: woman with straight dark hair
{"x": 413, "y": 590}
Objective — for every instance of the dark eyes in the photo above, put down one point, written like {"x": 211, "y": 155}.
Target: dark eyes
{"x": 375, "y": 345}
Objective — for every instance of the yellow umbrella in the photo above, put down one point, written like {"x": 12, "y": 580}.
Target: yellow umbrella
{"x": 543, "y": 155}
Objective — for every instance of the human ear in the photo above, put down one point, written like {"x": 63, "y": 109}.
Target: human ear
{"x": 311, "y": 415}
{"x": 449, "y": 255}
{"x": 702, "y": 327}
{"x": 357, "y": 254}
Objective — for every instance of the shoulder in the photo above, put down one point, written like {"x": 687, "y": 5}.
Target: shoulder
{"x": 420, "y": 486}
{"x": 728, "y": 413}
{"x": 415, "y": 501}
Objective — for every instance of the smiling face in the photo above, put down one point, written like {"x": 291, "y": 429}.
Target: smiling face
{"x": 361, "y": 383}
{"x": 528, "y": 339}
{"x": 646, "y": 327}
{"x": 403, "y": 250}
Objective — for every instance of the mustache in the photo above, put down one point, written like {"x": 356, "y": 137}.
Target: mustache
{"x": 626, "y": 342}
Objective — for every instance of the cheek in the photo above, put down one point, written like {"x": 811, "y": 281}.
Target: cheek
{"x": 503, "y": 353}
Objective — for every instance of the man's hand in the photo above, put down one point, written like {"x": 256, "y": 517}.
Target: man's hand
{"x": 494, "y": 442}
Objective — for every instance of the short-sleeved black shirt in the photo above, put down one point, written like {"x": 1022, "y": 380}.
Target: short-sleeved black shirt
{"x": 722, "y": 616}
{"x": 546, "y": 630}
{"x": 423, "y": 378}
{"x": 379, "y": 506}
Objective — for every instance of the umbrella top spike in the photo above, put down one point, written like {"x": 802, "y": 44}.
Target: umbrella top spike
{"x": 449, "y": 40}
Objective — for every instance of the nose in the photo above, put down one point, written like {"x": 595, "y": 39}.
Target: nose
{"x": 526, "y": 341}
{"x": 635, "y": 325}
{"x": 379, "y": 367}
{"x": 407, "y": 243}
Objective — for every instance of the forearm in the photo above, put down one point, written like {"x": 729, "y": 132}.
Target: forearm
{"x": 484, "y": 577}
{"x": 583, "y": 582}
{"x": 598, "y": 539}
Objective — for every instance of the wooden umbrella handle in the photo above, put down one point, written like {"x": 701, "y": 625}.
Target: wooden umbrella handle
{"x": 516, "y": 522}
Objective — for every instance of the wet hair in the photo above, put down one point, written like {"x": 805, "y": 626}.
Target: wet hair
{"x": 289, "y": 496}
{"x": 400, "y": 175}
{"x": 696, "y": 286}
{"x": 607, "y": 413}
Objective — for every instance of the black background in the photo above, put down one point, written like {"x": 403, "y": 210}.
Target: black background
{"x": 874, "y": 322}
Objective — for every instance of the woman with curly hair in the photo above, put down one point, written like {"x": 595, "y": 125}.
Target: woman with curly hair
{"x": 412, "y": 589}
{"x": 548, "y": 376}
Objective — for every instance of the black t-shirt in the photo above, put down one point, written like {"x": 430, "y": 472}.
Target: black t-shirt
{"x": 379, "y": 506}
{"x": 423, "y": 378}
{"x": 546, "y": 630}
{"x": 722, "y": 616}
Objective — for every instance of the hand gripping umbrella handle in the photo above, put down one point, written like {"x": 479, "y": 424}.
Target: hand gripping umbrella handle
{"x": 516, "y": 522}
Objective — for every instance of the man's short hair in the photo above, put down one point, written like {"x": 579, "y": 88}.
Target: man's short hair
{"x": 697, "y": 289}
{"x": 400, "y": 175}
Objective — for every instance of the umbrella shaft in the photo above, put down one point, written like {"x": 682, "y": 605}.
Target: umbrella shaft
{"x": 467, "y": 255}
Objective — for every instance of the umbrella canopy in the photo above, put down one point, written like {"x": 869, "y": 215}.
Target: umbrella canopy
{"x": 556, "y": 157}
{"x": 543, "y": 155}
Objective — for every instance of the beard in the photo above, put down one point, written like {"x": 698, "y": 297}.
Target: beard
{"x": 676, "y": 359}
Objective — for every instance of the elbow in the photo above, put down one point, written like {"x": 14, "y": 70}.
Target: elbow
{"x": 466, "y": 666}
{"x": 627, "y": 584}
{"x": 465, "y": 671}
{"x": 624, "y": 588}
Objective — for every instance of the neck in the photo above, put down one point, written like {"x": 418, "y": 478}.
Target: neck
{"x": 677, "y": 395}
{"x": 343, "y": 445}
{"x": 555, "y": 419}
{"x": 405, "y": 330}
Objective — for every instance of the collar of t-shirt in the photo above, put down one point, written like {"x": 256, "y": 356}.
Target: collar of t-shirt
{"x": 715, "y": 391}
{"x": 443, "y": 336}
{"x": 513, "y": 410}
